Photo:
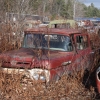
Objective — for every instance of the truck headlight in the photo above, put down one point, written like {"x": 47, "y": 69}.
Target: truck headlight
{"x": 40, "y": 74}
{"x": 43, "y": 78}
{"x": 36, "y": 76}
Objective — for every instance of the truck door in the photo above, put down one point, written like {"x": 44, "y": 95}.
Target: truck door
{"x": 83, "y": 50}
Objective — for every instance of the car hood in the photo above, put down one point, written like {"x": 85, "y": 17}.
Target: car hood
{"x": 29, "y": 58}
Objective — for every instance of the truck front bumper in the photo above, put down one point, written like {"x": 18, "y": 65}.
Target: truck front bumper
{"x": 34, "y": 74}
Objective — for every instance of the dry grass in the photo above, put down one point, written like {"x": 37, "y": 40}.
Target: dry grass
{"x": 16, "y": 87}
{"x": 8, "y": 41}
{"x": 95, "y": 43}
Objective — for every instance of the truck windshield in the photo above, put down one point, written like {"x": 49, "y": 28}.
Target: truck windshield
{"x": 48, "y": 41}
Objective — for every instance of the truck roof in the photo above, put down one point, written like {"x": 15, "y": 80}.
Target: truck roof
{"x": 52, "y": 31}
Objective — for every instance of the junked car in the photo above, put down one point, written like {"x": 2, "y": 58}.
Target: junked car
{"x": 48, "y": 53}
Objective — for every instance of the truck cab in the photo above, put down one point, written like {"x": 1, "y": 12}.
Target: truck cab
{"x": 48, "y": 53}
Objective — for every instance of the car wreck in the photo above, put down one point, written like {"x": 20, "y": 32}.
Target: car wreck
{"x": 48, "y": 53}
{"x": 98, "y": 79}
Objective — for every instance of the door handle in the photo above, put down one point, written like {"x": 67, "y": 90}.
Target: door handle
{"x": 92, "y": 52}
{"x": 66, "y": 63}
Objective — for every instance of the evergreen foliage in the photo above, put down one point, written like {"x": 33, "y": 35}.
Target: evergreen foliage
{"x": 92, "y": 11}
{"x": 51, "y": 8}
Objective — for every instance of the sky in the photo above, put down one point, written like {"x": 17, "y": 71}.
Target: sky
{"x": 95, "y": 2}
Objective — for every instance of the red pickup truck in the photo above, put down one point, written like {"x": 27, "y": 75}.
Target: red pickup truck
{"x": 47, "y": 54}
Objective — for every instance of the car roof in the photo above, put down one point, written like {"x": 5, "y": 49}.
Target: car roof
{"x": 53, "y": 31}
{"x": 72, "y": 22}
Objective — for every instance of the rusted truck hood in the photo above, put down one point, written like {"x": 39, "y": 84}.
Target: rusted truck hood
{"x": 30, "y": 58}
{"x": 20, "y": 54}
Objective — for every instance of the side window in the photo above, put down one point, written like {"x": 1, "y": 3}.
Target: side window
{"x": 85, "y": 39}
{"x": 81, "y": 42}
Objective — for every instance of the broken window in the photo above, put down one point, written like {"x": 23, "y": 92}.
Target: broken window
{"x": 81, "y": 42}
